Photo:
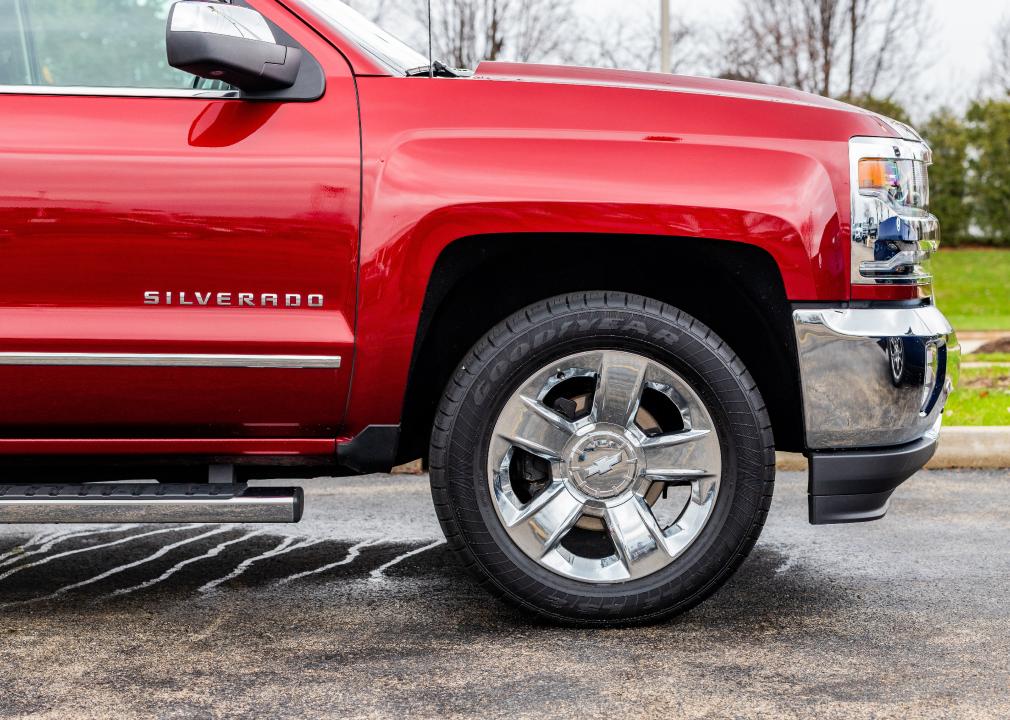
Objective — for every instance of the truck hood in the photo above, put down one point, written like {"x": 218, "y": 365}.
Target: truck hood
{"x": 521, "y": 72}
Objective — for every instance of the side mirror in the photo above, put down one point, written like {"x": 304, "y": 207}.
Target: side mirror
{"x": 229, "y": 43}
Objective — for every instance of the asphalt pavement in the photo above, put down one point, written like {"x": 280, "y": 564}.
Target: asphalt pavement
{"x": 359, "y": 612}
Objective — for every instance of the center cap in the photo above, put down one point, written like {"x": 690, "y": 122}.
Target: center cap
{"x": 603, "y": 465}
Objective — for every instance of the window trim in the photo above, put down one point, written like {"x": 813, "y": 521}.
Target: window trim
{"x": 28, "y": 55}
{"x": 289, "y": 95}
{"x": 120, "y": 92}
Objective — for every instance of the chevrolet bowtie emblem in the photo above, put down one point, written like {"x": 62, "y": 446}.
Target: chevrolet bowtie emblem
{"x": 603, "y": 465}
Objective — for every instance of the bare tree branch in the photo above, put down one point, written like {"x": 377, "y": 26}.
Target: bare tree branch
{"x": 830, "y": 47}
{"x": 468, "y": 31}
{"x": 374, "y": 10}
{"x": 1000, "y": 54}
{"x": 620, "y": 41}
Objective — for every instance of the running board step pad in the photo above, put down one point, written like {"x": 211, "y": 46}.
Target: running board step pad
{"x": 149, "y": 503}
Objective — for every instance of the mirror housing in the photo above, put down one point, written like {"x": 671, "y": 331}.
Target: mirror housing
{"x": 229, "y": 43}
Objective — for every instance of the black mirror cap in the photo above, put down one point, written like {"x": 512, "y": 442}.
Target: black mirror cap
{"x": 248, "y": 64}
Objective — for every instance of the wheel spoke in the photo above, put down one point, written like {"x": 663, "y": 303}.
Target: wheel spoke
{"x": 539, "y": 527}
{"x": 684, "y": 458}
{"x": 702, "y": 489}
{"x": 542, "y": 432}
{"x": 681, "y": 438}
{"x": 603, "y": 466}
{"x": 676, "y": 476}
{"x": 637, "y": 537}
{"x": 695, "y": 513}
{"x": 556, "y": 419}
{"x": 530, "y": 445}
{"x": 619, "y": 388}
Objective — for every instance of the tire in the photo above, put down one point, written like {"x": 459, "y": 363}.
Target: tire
{"x": 492, "y": 485}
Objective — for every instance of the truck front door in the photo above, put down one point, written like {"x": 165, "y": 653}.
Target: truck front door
{"x": 174, "y": 262}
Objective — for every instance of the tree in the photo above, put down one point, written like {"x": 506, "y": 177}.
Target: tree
{"x": 881, "y": 106}
{"x": 853, "y": 48}
{"x": 468, "y": 31}
{"x": 989, "y": 169}
{"x": 947, "y": 135}
{"x": 1000, "y": 55}
{"x": 374, "y": 10}
{"x": 634, "y": 43}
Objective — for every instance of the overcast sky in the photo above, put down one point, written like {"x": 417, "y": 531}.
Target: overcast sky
{"x": 959, "y": 49}
{"x": 964, "y": 37}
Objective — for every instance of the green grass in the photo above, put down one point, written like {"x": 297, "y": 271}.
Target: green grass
{"x": 982, "y": 398}
{"x": 987, "y": 357}
{"x": 973, "y": 288}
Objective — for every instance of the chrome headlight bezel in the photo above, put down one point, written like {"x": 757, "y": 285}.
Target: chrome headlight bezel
{"x": 899, "y": 254}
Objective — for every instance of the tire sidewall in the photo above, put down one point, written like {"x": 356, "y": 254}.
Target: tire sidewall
{"x": 515, "y": 351}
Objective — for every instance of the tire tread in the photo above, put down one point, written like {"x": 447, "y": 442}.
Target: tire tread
{"x": 751, "y": 421}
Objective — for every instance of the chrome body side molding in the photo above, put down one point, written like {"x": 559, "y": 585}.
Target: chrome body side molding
{"x": 58, "y": 90}
{"x": 171, "y": 360}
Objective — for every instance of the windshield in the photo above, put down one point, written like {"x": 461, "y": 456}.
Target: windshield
{"x": 388, "y": 48}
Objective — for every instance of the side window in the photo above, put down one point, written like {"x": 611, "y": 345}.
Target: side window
{"x": 13, "y": 48}
{"x": 87, "y": 43}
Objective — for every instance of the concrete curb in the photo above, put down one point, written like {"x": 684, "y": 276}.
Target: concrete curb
{"x": 972, "y": 341}
{"x": 974, "y": 448}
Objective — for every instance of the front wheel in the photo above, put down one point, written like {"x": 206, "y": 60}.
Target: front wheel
{"x": 602, "y": 458}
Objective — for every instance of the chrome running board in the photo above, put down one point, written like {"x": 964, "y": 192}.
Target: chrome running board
{"x": 149, "y": 503}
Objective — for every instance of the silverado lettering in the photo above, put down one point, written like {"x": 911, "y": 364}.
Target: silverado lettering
{"x": 234, "y": 299}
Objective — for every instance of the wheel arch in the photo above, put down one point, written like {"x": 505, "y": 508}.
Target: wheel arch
{"x": 734, "y": 288}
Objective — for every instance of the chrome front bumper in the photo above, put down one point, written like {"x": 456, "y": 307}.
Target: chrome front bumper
{"x": 873, "y": 377}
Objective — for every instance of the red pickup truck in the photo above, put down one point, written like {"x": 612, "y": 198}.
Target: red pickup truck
{"x": 259, "y": 239}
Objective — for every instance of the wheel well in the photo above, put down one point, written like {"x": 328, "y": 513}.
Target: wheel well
{"x": 477, "y": 282}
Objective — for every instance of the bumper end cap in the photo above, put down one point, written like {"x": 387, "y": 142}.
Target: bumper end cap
{"x": 849, "y": 486}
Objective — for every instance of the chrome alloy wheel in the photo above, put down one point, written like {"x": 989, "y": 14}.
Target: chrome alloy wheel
{"x": 583, "y": 459}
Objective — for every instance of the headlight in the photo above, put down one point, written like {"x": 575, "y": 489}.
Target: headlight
{"x": 893, "y": 233}
{"x": 901, "y": 182}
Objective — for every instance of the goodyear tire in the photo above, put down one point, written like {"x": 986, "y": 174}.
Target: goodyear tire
{"x": 602, "y": 458}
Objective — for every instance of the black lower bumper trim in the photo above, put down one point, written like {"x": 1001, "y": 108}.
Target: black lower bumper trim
{"x": 856, "y": 485}
{"x": 373, "y": 450}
